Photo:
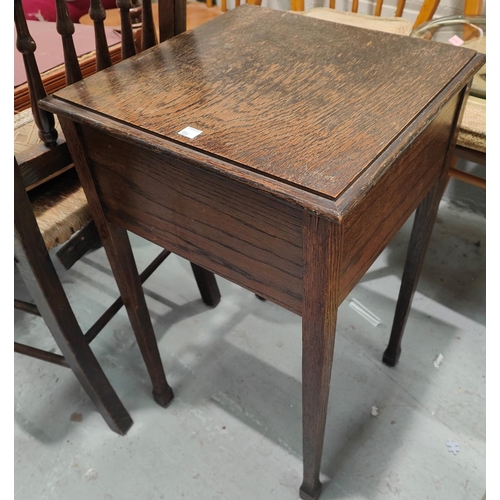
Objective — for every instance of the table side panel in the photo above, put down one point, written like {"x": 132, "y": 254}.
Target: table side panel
{"x": 377, "y": 217}
{"x": 247, "y": 237}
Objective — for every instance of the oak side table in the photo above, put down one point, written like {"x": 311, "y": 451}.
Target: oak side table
{"x": 278, "y": 151}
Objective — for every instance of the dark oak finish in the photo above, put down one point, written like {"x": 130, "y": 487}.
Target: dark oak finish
{"x": 98, "y": 15}
{"x": 209, "y": 290}
{"x": 91, "y": 334}
{"x": 66, "y": 29}
{"x": 116, "y": 243}
{"x": 270, "y": 255}
{"x": 50, "y": 357}
{"x": 423, "y": 224}
{"x": 421, "y": 234}
{"x": 322, "y": 257}
{"x": 370, "y": 226}
{"x": 308, "y": 163}
{"x": 77, "y": 246}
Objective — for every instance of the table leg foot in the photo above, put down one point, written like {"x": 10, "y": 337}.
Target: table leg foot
{"x": 307, "y": 493}
{"x": 391, "y": 356}
{"x": 164, "y": 397}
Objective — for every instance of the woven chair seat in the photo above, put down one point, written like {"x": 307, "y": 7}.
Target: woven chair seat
{"x": 472, "y": 132}
{"x": 26, "y": 131}
{"x": 59, "y": 205}
{"x": 60, "y": 208}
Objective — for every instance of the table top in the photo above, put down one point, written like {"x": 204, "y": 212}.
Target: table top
{"x": 303, "y": 101}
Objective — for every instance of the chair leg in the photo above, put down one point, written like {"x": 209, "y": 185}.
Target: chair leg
{"x": 423, "y": 224}
{"x": 41, "y": 279}
{"x": 78, "y": 245}
{"x": 207, "y": 285}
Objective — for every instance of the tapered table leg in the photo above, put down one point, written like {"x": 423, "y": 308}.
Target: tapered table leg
{"x": 322, "y": 244}
{"x": 121, "y": 259}
{"x": 423, "y": 224}
{"x": 119, "y": 252}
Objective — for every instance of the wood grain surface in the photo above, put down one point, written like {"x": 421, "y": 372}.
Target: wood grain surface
{"x": 306, "y": 101}
{"x": 322, "y": 256}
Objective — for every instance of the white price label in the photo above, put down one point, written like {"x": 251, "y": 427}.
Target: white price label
{"x": 190, "y": 132}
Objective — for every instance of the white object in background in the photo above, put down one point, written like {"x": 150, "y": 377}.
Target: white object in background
{"x": 438, "y": 360}
{"x": 365, "y": 312}
{"x": 453, "y": 446}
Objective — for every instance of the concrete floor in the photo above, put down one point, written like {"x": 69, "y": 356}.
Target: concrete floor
{"x": 234, "y": 429}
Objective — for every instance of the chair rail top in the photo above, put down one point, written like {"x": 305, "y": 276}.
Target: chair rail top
{"x": 309, "y": 103}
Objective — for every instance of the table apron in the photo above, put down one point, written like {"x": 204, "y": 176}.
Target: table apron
{"x": 243, "y": 235}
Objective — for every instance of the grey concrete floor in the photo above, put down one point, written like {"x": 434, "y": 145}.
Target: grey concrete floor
{"x": 234, "y": 428}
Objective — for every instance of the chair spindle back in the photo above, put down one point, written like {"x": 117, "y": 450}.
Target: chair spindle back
{"x": 26, "y": 45}
{"x": 66, "y": 29}
{"x": 98, "y": 15}
{"x": 46, "y": 163}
